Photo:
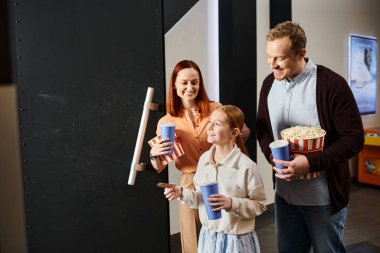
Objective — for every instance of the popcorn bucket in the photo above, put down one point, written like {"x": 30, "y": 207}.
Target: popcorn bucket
{"x": 177, "y": 151}
{"x": 305, "y": 145}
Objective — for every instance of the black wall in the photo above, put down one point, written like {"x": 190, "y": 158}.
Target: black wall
{"x": 174, "y": 10}
{"x": 83, "y": 68}
{"x": 237, "y": 60}
{"x": 280, "y": 11}
{"x": 5, "y": 58}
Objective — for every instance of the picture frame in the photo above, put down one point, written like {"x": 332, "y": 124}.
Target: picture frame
{"x": 363, "y": 72}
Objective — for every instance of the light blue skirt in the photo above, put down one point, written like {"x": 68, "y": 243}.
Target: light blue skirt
{"x": 218, "y": 242}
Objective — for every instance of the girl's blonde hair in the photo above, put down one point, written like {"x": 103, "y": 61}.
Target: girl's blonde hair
{"x": 235, "y": 119}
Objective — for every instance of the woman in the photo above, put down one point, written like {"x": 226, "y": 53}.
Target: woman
{"x": 189, "y": 108}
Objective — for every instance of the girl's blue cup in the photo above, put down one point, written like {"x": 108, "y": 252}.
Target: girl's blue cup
{"x": 167, "y": 131}
{"x": 280, "y": 151}
{"x": 207, "y": 190}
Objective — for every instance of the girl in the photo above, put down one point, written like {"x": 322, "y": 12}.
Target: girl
{"x": 189, "y": 108}
{"x": 241, "y": 192}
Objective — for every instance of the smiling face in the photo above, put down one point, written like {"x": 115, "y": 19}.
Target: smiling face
{"x": 283, "y": 61}
{"x": 187, "y": 84}
{"x": 218, "y": 129}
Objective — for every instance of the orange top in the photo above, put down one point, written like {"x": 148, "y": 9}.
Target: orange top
{"x": 193, "y": 139}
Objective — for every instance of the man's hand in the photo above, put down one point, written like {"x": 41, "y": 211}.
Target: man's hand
{"x": 296, "y": 168}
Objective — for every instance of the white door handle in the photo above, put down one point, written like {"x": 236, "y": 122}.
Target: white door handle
{"x": 148, "y": 105}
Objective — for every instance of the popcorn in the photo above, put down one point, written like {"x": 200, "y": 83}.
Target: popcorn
{"x": 303, "y": 132}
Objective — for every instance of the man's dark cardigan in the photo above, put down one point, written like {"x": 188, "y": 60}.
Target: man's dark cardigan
{"x": 339, "y": 116}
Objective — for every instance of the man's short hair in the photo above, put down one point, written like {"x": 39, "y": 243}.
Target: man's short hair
{"x": 292, "y": 30}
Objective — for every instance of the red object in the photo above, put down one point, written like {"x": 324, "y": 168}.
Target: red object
{"x": 306, "y": 146}
{"x": 375, "y": 130}
{"x": 177, "y": 152}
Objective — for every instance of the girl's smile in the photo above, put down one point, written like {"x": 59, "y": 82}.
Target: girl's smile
{"x": 218, "y": 129}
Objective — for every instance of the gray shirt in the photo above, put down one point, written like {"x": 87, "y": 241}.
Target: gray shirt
{"x": 294, "y": 104}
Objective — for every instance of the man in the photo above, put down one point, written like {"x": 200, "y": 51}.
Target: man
{"x": 309, "y": 212}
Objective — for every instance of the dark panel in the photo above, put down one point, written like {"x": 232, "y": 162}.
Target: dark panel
{"x": 237, "y": 60}
{"x": 83, "y": 74}
{"x": 280, "y": 11}
{"x": 174, "y": 11}
{"x": 5, "y": 65}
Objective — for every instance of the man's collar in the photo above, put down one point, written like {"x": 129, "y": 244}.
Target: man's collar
{"x": 304, "y": 73}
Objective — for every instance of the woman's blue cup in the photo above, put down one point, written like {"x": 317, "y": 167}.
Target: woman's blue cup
{"x": 280, "y": 151}
{"x": 167, "y": 131}
{"x": 207, "y": 190}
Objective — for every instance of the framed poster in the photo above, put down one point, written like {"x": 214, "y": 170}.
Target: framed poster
{"x": 363, "y": 72}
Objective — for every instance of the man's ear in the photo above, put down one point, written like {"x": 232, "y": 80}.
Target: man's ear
{"x": 302, "y": 53}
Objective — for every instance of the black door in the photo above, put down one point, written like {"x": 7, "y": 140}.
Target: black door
{"x": 83, "y": 68}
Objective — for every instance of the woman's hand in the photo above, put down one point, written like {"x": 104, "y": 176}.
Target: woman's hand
{"x": 220, "y": 202}
{"x": 162, "y": 147}
{"x": 173, "y": 193}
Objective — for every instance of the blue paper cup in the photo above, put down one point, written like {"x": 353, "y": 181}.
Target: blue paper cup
{"x": 280, "y": 151}
{"x": 167, "y": 131}
{"x": 207, "y": 190}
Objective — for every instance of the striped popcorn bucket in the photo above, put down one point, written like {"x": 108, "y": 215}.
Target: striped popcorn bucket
{"x": 305, "y": 146}
{"x": 177, "y": 151}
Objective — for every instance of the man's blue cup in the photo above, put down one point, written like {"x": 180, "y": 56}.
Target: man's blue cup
{"x": 167, "y": 131}
{"x": 207, "y": 190}
{"x": 280, "y": 151}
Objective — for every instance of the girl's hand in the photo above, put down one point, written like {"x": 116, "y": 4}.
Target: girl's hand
{"x": 161, "y": 147}
{"x": 220, "y": 202}
{"x": 173, "y": 193}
